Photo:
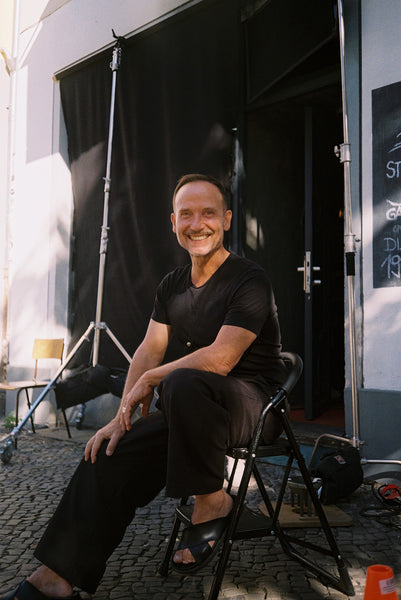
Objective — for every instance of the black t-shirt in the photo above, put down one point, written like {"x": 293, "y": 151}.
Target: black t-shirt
{"x": 239, "y": 293}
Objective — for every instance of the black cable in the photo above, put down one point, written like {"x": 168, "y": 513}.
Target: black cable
{"x": 388, "y": 508}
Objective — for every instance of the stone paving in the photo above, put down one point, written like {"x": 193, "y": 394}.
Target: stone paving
{"x": 30, "y": 486}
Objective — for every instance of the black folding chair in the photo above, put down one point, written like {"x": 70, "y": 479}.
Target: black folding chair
{"x": 245, "y": 523}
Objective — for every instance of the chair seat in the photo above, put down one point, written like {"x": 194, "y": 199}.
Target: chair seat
{"x": 46, "y": 349}
{"x": 280, "y": 447}
{"x": 29, "y": 383}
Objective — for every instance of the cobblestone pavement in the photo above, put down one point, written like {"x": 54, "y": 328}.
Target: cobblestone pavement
{"x": 30, "y": 486}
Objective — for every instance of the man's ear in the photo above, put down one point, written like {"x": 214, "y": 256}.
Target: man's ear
{"x": 227, "y": 220}
{"x": 172, "y": 217}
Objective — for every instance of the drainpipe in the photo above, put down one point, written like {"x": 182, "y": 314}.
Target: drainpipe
{"x": 4, "y": 251}
{"x": 11, "y": 66}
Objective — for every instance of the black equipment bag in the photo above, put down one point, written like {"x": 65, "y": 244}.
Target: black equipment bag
{"x": 115, "y": 381}
{"x": 87, "y": 382}
{"x": 341, "y": 474}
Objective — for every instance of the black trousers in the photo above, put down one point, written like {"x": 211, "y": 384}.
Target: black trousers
{"x": 182, "y": 446}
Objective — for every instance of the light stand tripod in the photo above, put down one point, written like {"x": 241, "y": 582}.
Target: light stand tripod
{"x": 344, "y": 154}
{"x": 114, "y": 66}
{"x": 9, "y": 441}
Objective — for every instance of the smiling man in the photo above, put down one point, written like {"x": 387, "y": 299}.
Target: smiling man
{"x": 199, "y": 221}
{"x": 220, "y": 309}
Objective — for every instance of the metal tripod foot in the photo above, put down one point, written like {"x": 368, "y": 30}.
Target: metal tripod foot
{"x": 80, "y": 417}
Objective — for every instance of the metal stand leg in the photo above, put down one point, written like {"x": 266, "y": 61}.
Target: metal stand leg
{"x": 5, "y": 453}
{"x": 66, "y": 423}
{"x": 9, "y": 439}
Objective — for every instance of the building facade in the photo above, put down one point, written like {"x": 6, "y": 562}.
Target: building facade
{"x": 260, "y": 88}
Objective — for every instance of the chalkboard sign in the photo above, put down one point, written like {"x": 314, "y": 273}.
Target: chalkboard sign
{"x": 386, "y": 168}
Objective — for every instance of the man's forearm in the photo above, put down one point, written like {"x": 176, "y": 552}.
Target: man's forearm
{"x": 146, "y": 371}
{"x": 196, "y": 360}
{"x": 220, "y": 357}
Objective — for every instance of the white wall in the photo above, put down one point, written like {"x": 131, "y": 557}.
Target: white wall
{"x": 54, "y": 34}
{"x": 381, "y": 65}
{"x": 6, "y": 51}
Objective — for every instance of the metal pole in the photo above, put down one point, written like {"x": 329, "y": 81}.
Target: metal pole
{"x": 114, "y": 66}
{"x": 235, "y": 193}
{"x": 344, "y": 154}
{"x": 12, "y": 68}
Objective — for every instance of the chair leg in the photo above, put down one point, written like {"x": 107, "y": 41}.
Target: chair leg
{"x": 232, "y": 527}
{"x": 29, "y": 407}
{"x": 274, "y": 512}
{"x": 343, "y": 583}
{"x": 163, "y": 569}
{"x": 66, "y": 423}
{"x": 164, "y": 566}
{"x": 232, "y": 475}
{"x": 16, "y": 415}
{"x": 223, "y": 560}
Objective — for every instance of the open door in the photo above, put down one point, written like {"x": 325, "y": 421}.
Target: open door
{"x": 294, "y": 203}
{"x": 294, "y": 227}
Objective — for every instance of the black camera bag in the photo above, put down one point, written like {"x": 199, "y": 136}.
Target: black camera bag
{"x": 341, "y": 474}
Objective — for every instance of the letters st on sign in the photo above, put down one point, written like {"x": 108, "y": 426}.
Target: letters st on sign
{"x": 386, "y": 169}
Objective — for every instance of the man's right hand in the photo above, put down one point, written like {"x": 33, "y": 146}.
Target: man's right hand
{"x": 112, "y": 431}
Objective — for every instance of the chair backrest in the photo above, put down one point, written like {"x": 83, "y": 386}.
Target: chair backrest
{"x": 46, "y": 348}
{"x": 294, "y": 366}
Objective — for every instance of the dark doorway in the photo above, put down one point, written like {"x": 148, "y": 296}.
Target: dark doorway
{"x": 294, "y": 217}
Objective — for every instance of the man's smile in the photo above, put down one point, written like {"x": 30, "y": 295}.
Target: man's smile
{"x": 197, "y": 237}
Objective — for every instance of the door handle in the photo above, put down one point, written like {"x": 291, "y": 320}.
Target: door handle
{"x": 307, "y": 270}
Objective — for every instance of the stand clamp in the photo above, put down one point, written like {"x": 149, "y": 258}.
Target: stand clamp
{"x": 343, "y": 152}
{"x": 116, "y": 58}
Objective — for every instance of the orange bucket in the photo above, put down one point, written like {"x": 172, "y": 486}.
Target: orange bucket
{"x": 380, "y": 583}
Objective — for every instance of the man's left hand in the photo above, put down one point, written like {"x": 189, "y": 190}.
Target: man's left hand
{"x": 140, "y": 395}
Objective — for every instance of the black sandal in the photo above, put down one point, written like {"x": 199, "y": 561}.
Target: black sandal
{"x": 27, "y": 591}
{"x": 196, "y": 538}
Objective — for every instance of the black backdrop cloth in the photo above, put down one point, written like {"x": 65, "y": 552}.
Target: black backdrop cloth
{"x": 177, "y": 100}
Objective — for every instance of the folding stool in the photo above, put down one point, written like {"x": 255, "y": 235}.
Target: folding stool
{"x": 245, "y": 523}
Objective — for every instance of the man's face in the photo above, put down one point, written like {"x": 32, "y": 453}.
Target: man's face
{"x": 199, "y": 218}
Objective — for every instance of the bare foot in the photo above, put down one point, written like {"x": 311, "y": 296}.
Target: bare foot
{"x": 49, "y": 583}
{"x": 206, "y": 508}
